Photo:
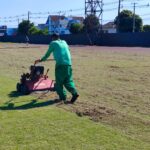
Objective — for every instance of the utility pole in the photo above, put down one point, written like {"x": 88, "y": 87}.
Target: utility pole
{"x": 134, "y": 5}
{"x": 59, "y": 28}
{"x": 28, "y": 15}
{"x": 18, "y": 22}
{"x": 118, "y": 20}
{"x": 49, "y": 24}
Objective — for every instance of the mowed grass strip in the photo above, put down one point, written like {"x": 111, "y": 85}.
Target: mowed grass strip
{"x": 49, "y": 127}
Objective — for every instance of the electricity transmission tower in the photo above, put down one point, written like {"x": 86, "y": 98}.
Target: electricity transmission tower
{"x": 94, "y": 7}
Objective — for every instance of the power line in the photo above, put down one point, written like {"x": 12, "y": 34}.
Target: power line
{"x": 110, "y": 3}
{"x": 111, "y": 9}
{"x": 137, "y": 6}
{"x": 145, "y": 14}
{"x": 43, "y": 15}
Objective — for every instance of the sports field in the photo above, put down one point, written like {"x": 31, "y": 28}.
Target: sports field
{"x": 112, "y": 112}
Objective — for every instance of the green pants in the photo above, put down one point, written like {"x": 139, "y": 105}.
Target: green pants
{"x": 63, "y": 75}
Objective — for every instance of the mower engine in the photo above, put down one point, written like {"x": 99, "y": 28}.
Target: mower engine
{"x": 35, "y": 81}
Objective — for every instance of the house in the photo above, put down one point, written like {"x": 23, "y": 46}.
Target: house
{"x": 42, "y": 26}
{"x": 3, "y": 30}
{"x": 74, "y": 19}
{"x": 59, "y": 23}
{"x": 11, "y": 31}
{"x": 78, "y": 19}
{"x": 109, "y": 27}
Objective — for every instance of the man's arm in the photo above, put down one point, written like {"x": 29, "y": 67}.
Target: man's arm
{"x": 47, "y": 54}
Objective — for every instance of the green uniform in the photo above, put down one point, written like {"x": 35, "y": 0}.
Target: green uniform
{"x": 63, "y": 69}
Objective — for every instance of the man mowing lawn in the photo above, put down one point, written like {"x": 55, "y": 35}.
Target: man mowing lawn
{"x": 63, "y": 68}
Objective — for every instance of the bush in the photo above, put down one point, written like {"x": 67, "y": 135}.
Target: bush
{"x": 76, "y": 28}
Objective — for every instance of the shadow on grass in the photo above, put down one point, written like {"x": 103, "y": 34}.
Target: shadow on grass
{"x": 10, "y": 105}
{"x": 14, "y": 94}
{"x": 32, "y": 104}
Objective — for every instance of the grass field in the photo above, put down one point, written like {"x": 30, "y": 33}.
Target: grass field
{"x": 112, "y": 113}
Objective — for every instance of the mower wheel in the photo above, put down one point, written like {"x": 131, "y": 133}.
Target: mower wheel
{"x": 24, "y": 90}
{"x": 18, "y": 87}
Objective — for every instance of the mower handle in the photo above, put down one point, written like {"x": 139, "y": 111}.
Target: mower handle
{"x": 47, "y": 72}
{"x": 46, "y": 60}
{"x": 50, "y": 60}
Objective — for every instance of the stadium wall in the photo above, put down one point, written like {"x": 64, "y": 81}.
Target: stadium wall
{"x": 78, "y": 39}
{"x": 124, "y": 39}
{"x": 119, "y": 39}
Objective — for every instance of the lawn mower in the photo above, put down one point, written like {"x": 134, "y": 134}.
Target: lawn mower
{"x": 35, "y": 81}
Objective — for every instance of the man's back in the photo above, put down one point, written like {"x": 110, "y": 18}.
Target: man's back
{"x": 61, "y": 52}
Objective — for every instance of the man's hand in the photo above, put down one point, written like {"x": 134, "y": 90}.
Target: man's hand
{"x": 37, "y": 61}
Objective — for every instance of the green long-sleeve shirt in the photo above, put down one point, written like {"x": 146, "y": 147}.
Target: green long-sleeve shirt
{"x": 61, "y": 52}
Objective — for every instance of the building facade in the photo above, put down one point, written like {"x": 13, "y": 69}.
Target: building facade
{"x": 60, "y": 24}
{"x": 109, "y": 27}
{"x": 3, "y": 30}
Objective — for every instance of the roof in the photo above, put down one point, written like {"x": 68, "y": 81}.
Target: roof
{"x": 57, "y": 18}
{"x": 109, "y": 25}
{"x": 78, "y": 18}
{"x": 54, "y": 18}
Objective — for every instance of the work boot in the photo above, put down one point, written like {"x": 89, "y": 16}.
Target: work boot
{"x": 74, "y": 98}
{"x": 61, "y": 102}
{"x": 57, "y": 100}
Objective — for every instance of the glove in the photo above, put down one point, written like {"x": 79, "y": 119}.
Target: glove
{"x": 37, "y": 61}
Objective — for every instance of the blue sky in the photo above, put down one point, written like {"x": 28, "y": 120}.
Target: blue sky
{"x": 12, "y": 8}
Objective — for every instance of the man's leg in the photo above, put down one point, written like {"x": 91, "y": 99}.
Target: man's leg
{"x": 70, "y": 86}
{"x": 59, "y": 83}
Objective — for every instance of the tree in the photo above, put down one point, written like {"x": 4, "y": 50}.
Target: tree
{"x": 146, "y": 28}
{"x": 27, "y": 28}
{"x": 91, "y": 23}
{"x": 76, "y": 28}
{"x": 126, "y": 22}
{"x": 45, "y": 31}
{"x": 24, "y": 27}
{"x": 35, "y": 31}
